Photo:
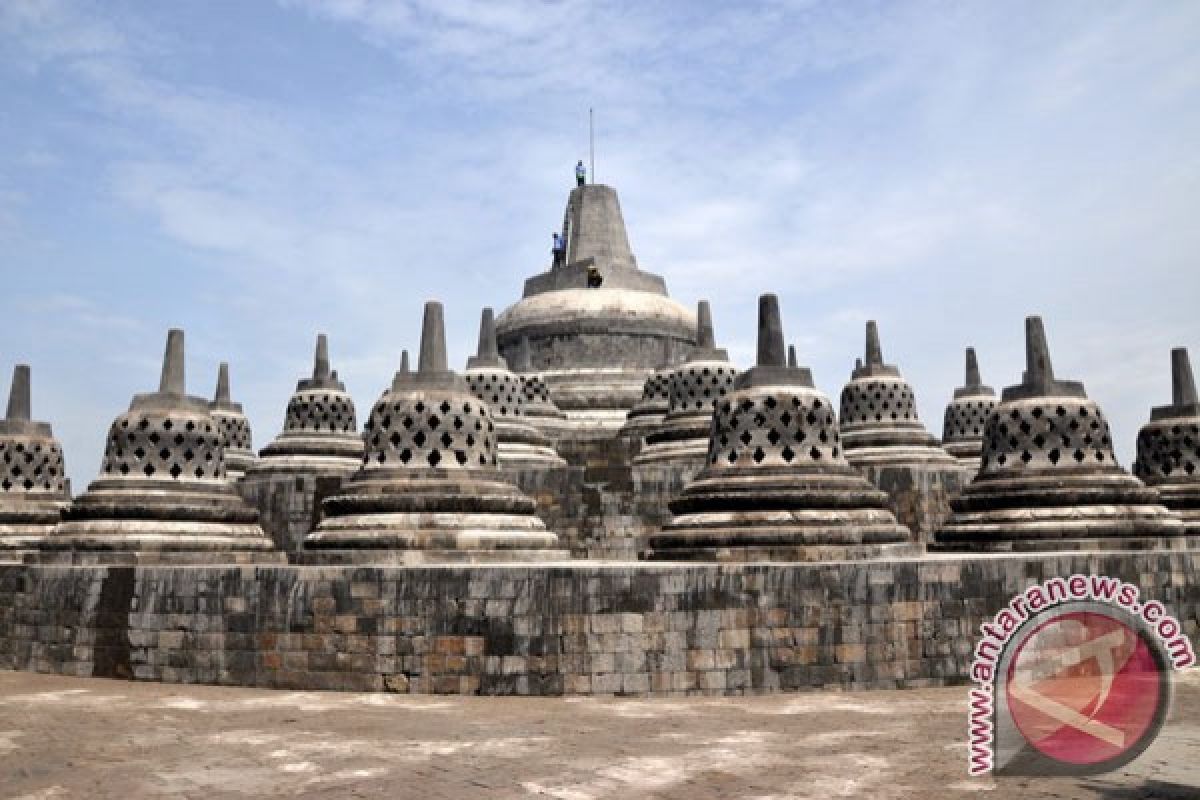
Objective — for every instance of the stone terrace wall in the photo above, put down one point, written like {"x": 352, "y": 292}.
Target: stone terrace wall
{"x": 540, "y": 630}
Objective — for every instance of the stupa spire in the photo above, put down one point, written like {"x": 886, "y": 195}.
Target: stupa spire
{"x": 874, "y": 354}
{"x": 321, "y": 370}
{"x": 19, "y": 404}
{"x": 1183, "y": 384}
{"x": 487, "y": 354}
{"x": 972, "y": 379}
{"x": 172, "y": 380}
{"x": 222, "y": 396}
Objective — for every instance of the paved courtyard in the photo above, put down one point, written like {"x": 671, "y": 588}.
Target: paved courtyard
{"x": 68, "y": 737}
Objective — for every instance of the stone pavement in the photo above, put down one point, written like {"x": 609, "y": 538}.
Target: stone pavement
{"x": 70, "y": 737}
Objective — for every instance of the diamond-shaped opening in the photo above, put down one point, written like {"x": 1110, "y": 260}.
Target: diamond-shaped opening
{"x": 759, "y": 455}
{"x": 815, "y": 453}
{"x": 447, "y": 439}
{"x": 434, "y": 458}
{"x": 419, "y": 439}
{"x": 405, "y": 455}
{"x": 1054, "y": 455}
{"x": 773, "y": 436}
{"x": 176, "y": 470}
{"x": 746, "y": 437}
{"x": 788, "y": 454}
{"x": 461, "y": 457}
{"x": 1079, "y": 455}
{"x": 148, "y": 469}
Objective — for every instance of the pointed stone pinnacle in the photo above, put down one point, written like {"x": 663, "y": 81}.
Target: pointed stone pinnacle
{"x": 705, "y": 339}
{"x": 771, "y": 351}
{"x": 1183, "y": 384}
{"x": 874, "y": 355}
{"x": 433, "y": 340}
{"x": 404, "y": 368}
{"x": 172, "y": 380}
{"x": 333, "y": 376}
{"x": 222, "y": 396}
{"x": 321, "y": 359}
{"x": 19, "y": 406}
{"x": 973, "y": 378}
{"x": 792, "y": 362}
{"x": 487, "y": 336}
{"x": 1038, "y": 368}
{"x": 857, "y": 364}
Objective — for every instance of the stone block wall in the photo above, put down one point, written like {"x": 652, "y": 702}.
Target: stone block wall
{"x": 542, "y": 630}
{"x": 920, "y": 494}
{"x": 288, "y": 503}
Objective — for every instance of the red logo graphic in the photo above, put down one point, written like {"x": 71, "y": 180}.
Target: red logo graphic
{"x": 1085, "y": 688}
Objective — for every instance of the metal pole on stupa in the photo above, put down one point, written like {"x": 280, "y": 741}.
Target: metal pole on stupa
{"x": 430, "y": 489}
{"x": 33, "y": 484}
{"x": 694, "y": 388}
{"x": 1048, "y": 478}
{"x": 878, "y": 417}
{"x": 162, "y": 495}
{"x": 239, "y": 446}
{"x": 776, "y": 485}
{"x": 966, "y": 415}
{"x": 1168, "y": 446}
{"x": 519, "y": 444}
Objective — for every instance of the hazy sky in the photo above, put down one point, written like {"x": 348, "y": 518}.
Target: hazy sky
{"x": 255, "y": 172}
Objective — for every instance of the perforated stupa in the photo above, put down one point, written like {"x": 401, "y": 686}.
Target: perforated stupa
{"x": 320, "y": 429}
{"x": 966, "y": 415}
{"x": 540, "y": 409}
{"x": 1168, "y": 446}
{"x": 429, "y": 489}
{"x": 33, "y": 485}
{"x": 595, "y": 346}
{"x": 518, "y": 442}
{"x": 693, "y": 390}
{"x": 162, "y": 494}
{"x": 776, "y": 485}
{"x": 878, "y": 418}
{"x": 652, "y": 409}
{"x": 239, "y": 452}
{"x": 1048, "y": 478}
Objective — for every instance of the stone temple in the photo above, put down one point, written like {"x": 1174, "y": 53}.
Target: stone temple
{"x": 595, "y": 347}
{"x": 33, "y": 483}
{"x": 1048, "y": 478}
{"x": 1168, "y": 446}
{"x": 601, "y": 503}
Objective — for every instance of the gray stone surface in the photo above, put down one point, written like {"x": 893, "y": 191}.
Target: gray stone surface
{"x": 1048, "y": 477}
{"x": 430, "y": 489}
{"x": 776, "y": 485}
{"x": 966, "y": 415}
{"x": 320, "y": 429}
{"x": 878, "y": 418}
{"x": 33, "y": 483}
{"x": 519, "y": 443}
{"x": 162, "y": 487}
{"x": 693, "y": 390}
{"x": 239, "y": 443}
{"x": 544, "y": 630}
{"x": 1168, "y": 446}
{"x": 595, "y": 347}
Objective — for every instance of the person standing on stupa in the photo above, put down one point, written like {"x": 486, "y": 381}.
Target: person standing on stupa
{"x": 580, "y": 173}
{"x": 558, "y": 249}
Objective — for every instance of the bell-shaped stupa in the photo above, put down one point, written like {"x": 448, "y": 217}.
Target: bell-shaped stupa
{"x": 429, "y": 489}
{"x": 162, "y": 494}
{"x": 1048, "y": 478}
{"x": 518, "y": 443}
{"x": 1168, "y": 446}
{"x": 597, "y": 325}
{"x": 320, "y": 430}
{"x": 540, "y": 409}
{"x": 878, "y": 416}
{"x": 966, "y": 416}
{"x": 33, "y": 484}
{"x": 239, "y": 450}
{"x": 777, "y": 485}
{"x": 693, "y": 390}
{"x": 651, "y": 410}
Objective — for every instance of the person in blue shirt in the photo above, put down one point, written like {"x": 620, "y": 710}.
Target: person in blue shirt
{"x": 558, "y": 249}
{"x": 580, "y": 174}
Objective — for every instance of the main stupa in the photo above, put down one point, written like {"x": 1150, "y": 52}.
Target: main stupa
{"x": 596, "y": 345}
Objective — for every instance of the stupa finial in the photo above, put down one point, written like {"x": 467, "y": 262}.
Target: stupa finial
{"x": 1038, "y": 368}
{"x": 487, "y": 335}
{"x": 771, "y": 352}
{"x": 19, "y": 404}
{"x": 874, "y": 354}
{"x": 222, "y": 396}
{"x": 973, "y": 378}
{"x": 404, "y": 367}
{"x": 1183, "y": 385}
{"x": 433, "y": 340}
{"x": 321, "y": 359}
{"x": 792, "y": 361}
{"x": 705, "y": 339}
{"x": 172, "y": 380}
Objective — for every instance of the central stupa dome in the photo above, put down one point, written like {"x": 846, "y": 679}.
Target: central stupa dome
{"x": 596, "y": 345}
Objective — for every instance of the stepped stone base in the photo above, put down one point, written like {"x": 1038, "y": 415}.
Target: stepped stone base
{"x": 919, "y": 494}
{"x": 122, "y": 558}
{"x": 553, "y": 629}
{"x": 428, "y": 557}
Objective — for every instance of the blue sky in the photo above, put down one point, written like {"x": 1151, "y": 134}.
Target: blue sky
{"x": 255, "y": 172}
